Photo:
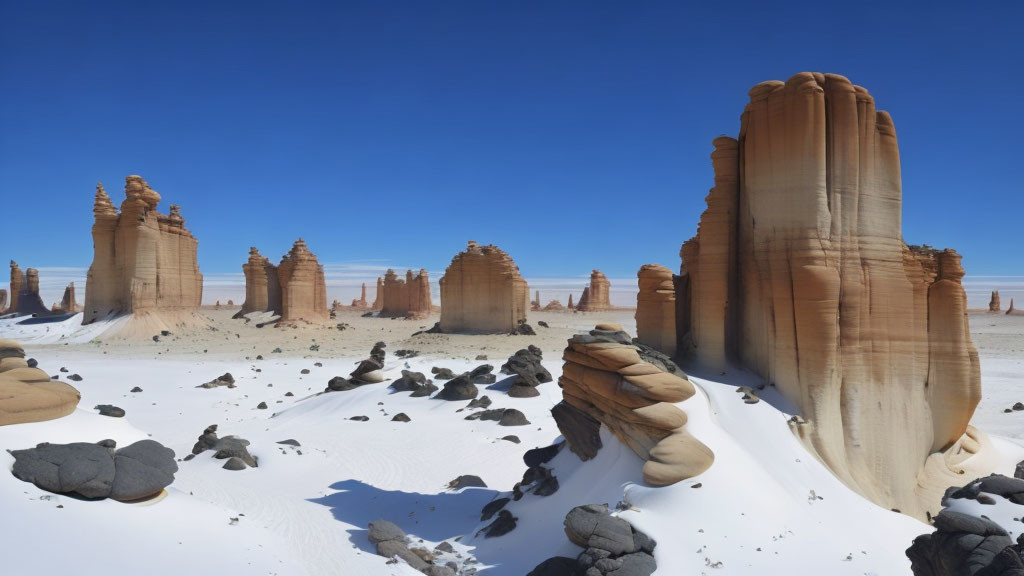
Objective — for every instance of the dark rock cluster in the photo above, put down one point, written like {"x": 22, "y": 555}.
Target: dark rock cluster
{"x": 964, "y": 544}
{"x": 391, "y": 542}
{"x": 414, "y": 382}
{"x": 231, "y": 448}
{"x": 612, "y": 547}
{"x": 225, "y": 379}
{"x": 528, "y": 370}
{"x": 463, "y": 387}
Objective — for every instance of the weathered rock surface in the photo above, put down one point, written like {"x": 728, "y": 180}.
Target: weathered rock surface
{"x": 29, "y": 394}
{"x": 25, "y": 299}
{"x": 596, "y": 296}
{"x": 971, "y": 544}
{"x": 612, "y": 547}
{"x": 459, "y": 388}
{"x": 144, "y": 262}
{"x": 799, "y": 272}
{"x": 483, "y": 292}
{"x": 606, "y": 377}
{"x": 303, "y": 289}
{"x": 136, "y": 471}
{"x": 361, "y": 303}
{"x": 68, "y": 303}
{"x": 993, "y": 303}
{"x": 526, "y": 365}
{"x": 406, "y": 298}
{"x": 656, "y": 308}
{"x": 224, "y": 448}
{"x": 262, "y": 285}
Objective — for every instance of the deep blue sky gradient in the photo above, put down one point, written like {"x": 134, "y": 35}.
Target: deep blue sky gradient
{"x": 575, "y": 135}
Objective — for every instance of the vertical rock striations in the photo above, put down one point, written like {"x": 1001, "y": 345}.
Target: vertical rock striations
{"x": 303, "y": 289}
{"x": 25, "y": 299}
{"x": 482, "y": 291}
{"x": 262, "y": 286}
{"x": 144, "y": 262}
{"x": 595, "y": 297}
{"x": 378, "y": 300}
{"x": 993, "y": 304}
{"x": 656, "y": 308}
{"x": 406, "y": 298}
{"x": 799, "y": 272}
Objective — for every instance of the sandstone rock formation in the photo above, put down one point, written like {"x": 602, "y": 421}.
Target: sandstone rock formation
{"x": 656, "y": 308}
{"x": 799, "y": 272}
{"x": 535, "y": 303}
{"x": 630, "y": 389}
{"x": 993, "y": 303}
{"x": 378, "y": 300}
{"x": 303, "y": 289}
{"x": 571, "y": 306}
{"x": 28, "y": 394}
{"x": 361, "y": 303}
{"x": 553, "y": 306}
{"x": 406, "y": 298}
{"x": 262, "y": 285}
{"x": 68, "y": 304}
{"x": 3, "y": 301}
{"x": 483, "y": 292}
{"x": 595, "y": 297}
{"x": 25, "y": 297}
{"x": 144, "y": 262}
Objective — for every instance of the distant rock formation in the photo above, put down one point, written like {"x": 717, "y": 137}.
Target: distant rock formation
{"x": 28, "y": 394}
{"x": 262, "y": 285}
{"x": 993, "y": 303}
{"x": 303, "y": 288}
{"x": 3, "y": 301}
{"x": 378, "y": 300}
{"x": 25, "y": 299}
{"x": 656, "y": 308}
{"x": 68, "y": 304}
{"x": 571, "y": 306}
{"x": 535, "y": 303}
{"x": 595, "y": 297}
{"x": 483, "y": 292}
{"x": 630, "y": 389}
{"x": 408, "y": 298}
{"x": 144, "y": 262}
{"x": 361, "y": 303}
{"x": 553, "y": 306}
{"x": 799, "y": 272}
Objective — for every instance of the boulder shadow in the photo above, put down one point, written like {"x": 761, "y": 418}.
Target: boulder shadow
{"x": 433, "y": 517}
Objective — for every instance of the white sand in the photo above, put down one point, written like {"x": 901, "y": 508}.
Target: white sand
{"x": 307, "y": 514}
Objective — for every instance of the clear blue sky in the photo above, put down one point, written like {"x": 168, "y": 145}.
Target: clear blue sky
{"x": 575, "y": 135}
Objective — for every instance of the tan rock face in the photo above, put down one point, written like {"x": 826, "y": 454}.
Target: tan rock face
{"x": 799, "y": 272}
{"x": 611, "y": 380}
{"x": 570, "y": 305}
{"x": 596, "y": 296}
{"x": 993, "y": 303}
{"x": 25, "y": 297}
{"x": 28, "y": 394}
{"x": 361, "y": 303}
{"x": 144, "y": 261}
{"x": 262, "y": 286}
{"x": 378, "y": 300}
{"x": 482, "y": 291}
{"x": 656, "y": 308}
{"x": 406, "y": 298}
{"x": 303, "y": 289}
{"x": 3, "y": 301}
{"x": 68, "y": 304}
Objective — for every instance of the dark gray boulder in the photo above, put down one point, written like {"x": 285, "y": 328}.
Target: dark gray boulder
{"x": 110, "y": 410}
{"x": 142, "y": 469}
{"x": 383, "y": 530}
{"x": 442, "y": 373}
{"x": 467, "y": 481}
{"x": 591, "y": 526}
{"x": 225, "y": 379}
{"x": 483, "y": 374}
{"x": 557, "y": 566}
{"x": 410, "y": 382}
{"x": 424, "y": 391}
{"x": 340, "y": 384}
{"x": 504, "y": 416}
{"x": 529, "y": 373}
{"x": 965, "y": 545}
{"x": 481, "y": 402}
{"x": 492, "y": 507}
{"x": 581, "y": 431}
{"x": 401, "y": 417}
{"x": 224, "y": 448}
{"x": 459, "y": 388}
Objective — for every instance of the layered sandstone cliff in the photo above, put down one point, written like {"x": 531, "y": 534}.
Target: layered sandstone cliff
{"x": 3, "y": 301}
{"x": 656, "y": 308}
{"x": 630, "y": 389}
{"x": 303, "y": 288}
{"x": 482, "y": 291}
{"x": 144, "y": 262}
{"x": 406, "y": 298}
{"x": 262, "y": 286}
{"x": 25, "y": 299}
{"x": 378, "y": 299}
{"x": 595, "y": 296}
{"x": 799, "y": 272}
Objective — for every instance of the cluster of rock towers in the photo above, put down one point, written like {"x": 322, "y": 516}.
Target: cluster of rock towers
{"x": 799, "y": 272}
{"x": 144, "y": 262}
{"x": 295, "y": 289}
{"x": 24, "y": 296}
{"x": 407, "y": 297}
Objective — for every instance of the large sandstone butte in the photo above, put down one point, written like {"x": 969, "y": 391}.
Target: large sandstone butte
{"x": 595, "y": 297}
{"x": 144, "y": 262}
{"x": 28, "y": 394}
{"x": 483, "y": 292}
{"x": 262, "y": 287}
{"x": 406, "y": 298}
{"x": 799, "y": 272}
{"x": 303, "y": 289}
{"x": 25, "y": 297}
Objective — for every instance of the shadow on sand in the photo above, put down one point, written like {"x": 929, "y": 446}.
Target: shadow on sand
{"x": 433, "y": 517}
